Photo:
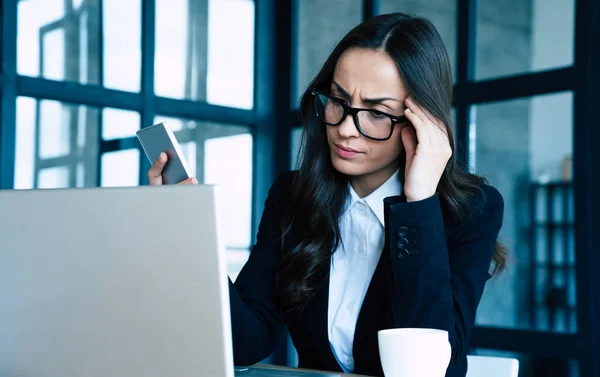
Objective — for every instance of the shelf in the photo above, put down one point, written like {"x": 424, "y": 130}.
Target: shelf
{"x": 551, "y": 236}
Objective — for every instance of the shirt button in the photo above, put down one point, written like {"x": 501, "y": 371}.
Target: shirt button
{"x": 350, "y": 362}
{"x": 361, "y": 248}
{"x": 350, "y": 307}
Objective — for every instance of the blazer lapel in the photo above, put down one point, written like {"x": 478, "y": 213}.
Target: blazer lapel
{"x": 317, "y": 317}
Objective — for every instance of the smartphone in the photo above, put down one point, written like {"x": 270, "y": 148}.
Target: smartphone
{"x": 157, "y": 139}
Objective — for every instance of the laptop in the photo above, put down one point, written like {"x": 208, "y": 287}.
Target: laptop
{"x": 115, "y": 282}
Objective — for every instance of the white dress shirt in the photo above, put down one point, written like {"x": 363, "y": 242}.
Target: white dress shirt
{"x": 353, "y": 264}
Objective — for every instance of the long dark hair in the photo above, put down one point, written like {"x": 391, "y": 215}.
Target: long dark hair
{"x": 319, "y": 190}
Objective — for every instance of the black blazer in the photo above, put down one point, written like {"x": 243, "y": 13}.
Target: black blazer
{"x": 430, "y": 275}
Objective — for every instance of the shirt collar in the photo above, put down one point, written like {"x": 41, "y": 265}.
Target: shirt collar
{"x": 391, "y": 187}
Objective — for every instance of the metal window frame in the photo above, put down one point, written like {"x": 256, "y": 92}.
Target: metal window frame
{"x": 274, "y": 38}
{"x": 271, "y": 121}
{"x": 268, "y": 121}
{"x": 264, "y": 122}
{"x": 581, "y": 78}
{"x": 145, "y": 102}
{"x": 8, "y": 91}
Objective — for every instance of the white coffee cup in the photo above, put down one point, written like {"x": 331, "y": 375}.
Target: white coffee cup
{"x": 414, "y": 352}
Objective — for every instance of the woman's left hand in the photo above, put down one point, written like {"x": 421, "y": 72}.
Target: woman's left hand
{"x": 427, "y": 152}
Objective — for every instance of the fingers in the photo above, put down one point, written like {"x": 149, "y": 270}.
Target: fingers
{"x": 189, "y": 181}
{"x": 421, "y": 113}
{"x": 422, "y": 133}
{"x": 427, "y": 129}
{"x": 155, "y": 172}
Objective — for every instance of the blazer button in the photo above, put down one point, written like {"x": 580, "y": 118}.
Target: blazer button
{"x": 402, "y": 243}
{"x": 402, "y": 253}
{"x": 402, "y": 231}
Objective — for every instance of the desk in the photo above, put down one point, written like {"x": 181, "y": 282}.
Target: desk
{"x": 277, "y": 367}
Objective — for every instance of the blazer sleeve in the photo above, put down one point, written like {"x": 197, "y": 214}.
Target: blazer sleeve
{"x": 256, "y": 320}
{"x": 439, "y": 283}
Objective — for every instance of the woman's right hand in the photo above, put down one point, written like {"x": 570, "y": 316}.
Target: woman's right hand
{"x": 155, "y": 172}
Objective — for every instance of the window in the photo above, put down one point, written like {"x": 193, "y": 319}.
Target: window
{"x": 521, "y": 36}
{"x": 321, "y": 24}
{"x": 56, "y": 177}
{"x": 198, "y": 57}
{"x": 56, "y": 144}
{"x": 121, "y": 33}
{"x": 441, "y": 13}
{"x": 524, "y": 148}
{"x": 118, "y": 124}
{"x": 61, "y": 40}
{"x": 120, "y": 168}
{"x": 222, "y": 155}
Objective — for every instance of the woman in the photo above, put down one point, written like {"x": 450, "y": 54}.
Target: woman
{"x": 379, "y": 228}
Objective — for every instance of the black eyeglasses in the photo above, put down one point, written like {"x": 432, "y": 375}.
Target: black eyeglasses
{"x": 372, "y": 124}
